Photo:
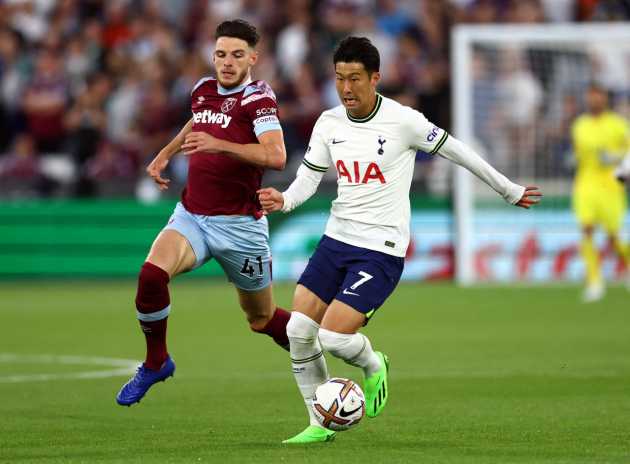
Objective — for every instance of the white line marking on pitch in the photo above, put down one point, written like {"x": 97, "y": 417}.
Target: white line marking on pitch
{"x": 122, "y": 367}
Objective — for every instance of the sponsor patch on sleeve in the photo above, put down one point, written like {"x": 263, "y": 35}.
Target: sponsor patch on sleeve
{"x": 435, "y": 131}
{"x": 266, "y": 120}
{"x": 266, "y": 111}
{"x": 266, "y": 123}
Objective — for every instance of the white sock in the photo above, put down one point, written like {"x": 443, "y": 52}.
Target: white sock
{"x": 354, "y": 349}
{"x": 307, "y": 359}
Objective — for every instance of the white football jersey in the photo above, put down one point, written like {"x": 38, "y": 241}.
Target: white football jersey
{"x": 374, "y": 158}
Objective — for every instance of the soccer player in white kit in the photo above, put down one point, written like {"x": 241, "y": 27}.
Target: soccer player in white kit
{"x": 371, "y": 141}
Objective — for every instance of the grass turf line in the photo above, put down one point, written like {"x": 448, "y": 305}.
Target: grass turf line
{"x": 483, "y": 375}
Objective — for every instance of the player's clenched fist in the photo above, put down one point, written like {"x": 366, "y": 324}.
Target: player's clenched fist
{"x": 154, "y": 170}
{"x": 270, "y": 199}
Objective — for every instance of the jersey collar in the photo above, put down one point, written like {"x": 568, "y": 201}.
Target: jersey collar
{"x": 224, "y": 91}
{"x": 379, "y": 99}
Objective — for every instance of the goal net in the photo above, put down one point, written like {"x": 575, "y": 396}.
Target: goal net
{"x": 517, "y": 90}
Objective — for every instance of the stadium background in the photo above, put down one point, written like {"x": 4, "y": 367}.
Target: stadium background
{"x": 91, "y": 89}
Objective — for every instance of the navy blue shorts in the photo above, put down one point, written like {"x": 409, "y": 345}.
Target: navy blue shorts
{"x": 360, "y": 278}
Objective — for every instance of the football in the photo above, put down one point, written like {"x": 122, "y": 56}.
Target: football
{"x": 339, "y": 404}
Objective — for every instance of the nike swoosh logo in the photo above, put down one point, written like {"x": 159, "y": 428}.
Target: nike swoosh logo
{"x": 335, "y": 142}
{"x": 344, "y": 413}
{"x": 346, "y": 292}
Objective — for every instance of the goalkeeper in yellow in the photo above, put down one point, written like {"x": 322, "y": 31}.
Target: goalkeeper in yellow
{"x": 600, "y": 141}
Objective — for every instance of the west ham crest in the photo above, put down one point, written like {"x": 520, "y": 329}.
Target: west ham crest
{"x": 228, "y": 104}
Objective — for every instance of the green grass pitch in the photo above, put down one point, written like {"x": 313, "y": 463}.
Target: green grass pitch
{"x": 483, "y": 375}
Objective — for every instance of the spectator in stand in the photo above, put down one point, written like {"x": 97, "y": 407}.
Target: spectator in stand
{"x": 392, "y": 19}
{"x": 559, "y": 11}
{"x": 611, "y": 10}
{"x": 158, "y": 49}
{"x": 14, "y": 66}
{"x": 524, "y": 11}
{"x": 85, "y": 124}
{"x": 114, "y": 166}
{"x": 45, "y": 101}
{"x": 521, "y": 95}
{"x": 20, "y": 170}
{"x": 22, "y": 162}
{"x": 482, "y": 12}
{"x": 293, "y": 44}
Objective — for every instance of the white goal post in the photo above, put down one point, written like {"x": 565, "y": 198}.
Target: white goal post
{"x": 566, "y": 50}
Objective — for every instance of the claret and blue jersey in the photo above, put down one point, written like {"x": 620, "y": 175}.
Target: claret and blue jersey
{"x": 219, "y": 214}
{"x": 218, "y": 184}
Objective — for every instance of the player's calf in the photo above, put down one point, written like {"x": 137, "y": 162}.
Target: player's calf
{"x": 356, "y": 350}
{"x": 153, "y": 306}
{"x": 275, "y": 327}
{"x": 307, "y": 359}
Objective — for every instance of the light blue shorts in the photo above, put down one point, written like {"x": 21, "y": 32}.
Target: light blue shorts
{"x": 240, "y": 244}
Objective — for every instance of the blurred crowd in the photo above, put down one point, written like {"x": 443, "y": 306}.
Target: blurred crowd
{"x": 90, "y": 90}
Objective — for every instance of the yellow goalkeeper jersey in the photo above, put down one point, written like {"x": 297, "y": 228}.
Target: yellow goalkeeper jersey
{"x": 600, "y": 142}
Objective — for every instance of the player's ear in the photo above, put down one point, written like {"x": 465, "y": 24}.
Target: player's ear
{"x": 375, "y": 77}
{"x": 253, "y": 57}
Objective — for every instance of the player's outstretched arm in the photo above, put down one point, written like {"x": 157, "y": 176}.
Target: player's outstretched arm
{"x": 268, "y": 153}
{"x": 159, "y": 163}
{"x": 515, "y": 194}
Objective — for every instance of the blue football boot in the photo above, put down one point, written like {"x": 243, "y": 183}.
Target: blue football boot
{"x": 134, "y": 390}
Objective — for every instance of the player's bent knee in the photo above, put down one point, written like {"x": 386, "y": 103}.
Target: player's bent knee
{"x": 335, "y": 343}
{"x": 301, "y": 327}
{"x": 152, "y": 294}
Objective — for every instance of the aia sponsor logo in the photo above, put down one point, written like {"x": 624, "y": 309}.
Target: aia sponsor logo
{"x": 228, "y": 104}
{"x": 433, "y": 134}
{"x": 356, "y": 175}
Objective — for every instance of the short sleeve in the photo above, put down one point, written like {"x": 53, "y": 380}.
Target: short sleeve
{"x": 425, "y": 135}
{"x": 259, "y": 102}
{"x": 317, "y": 156}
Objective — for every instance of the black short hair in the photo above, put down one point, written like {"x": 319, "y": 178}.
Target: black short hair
{"x": 240, "y": 29}
{"x": 358, "y": 50}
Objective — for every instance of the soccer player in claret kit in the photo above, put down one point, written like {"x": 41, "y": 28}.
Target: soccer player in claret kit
{"x": 371, "y": 141}
{"x": 234, "y": 133}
